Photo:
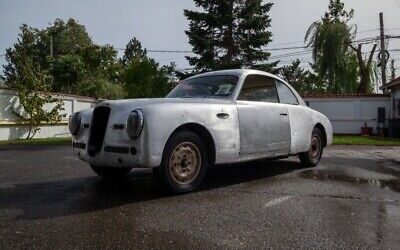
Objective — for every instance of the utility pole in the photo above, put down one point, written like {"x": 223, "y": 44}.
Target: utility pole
{"x": 383, "y": 49}
{"x": 51, "y": 46}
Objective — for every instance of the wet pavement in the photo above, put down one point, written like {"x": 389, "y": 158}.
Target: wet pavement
{"x": 49, "y": 199}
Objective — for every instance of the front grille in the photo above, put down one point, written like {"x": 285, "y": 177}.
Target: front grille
{"x": 116, "y": 149}
{"x": 98, "y": 129}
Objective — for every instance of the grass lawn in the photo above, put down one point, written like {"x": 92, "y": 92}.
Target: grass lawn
{"x": 47, "y": 141}
{"x": 365, "y": 140}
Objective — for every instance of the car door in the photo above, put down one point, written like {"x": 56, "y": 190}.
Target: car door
{"x": 263, "y": 122}
{"x": 301, "y": 120}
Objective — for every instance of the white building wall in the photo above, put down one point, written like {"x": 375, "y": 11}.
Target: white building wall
{"x": 396, "y": 102}
{"x": 11, "y": 126}
{"x": 349, "y": 114}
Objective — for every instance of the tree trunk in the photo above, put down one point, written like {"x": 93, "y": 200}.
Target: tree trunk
{"x": 29, "y": 133}
{"x": 365, "y": 68}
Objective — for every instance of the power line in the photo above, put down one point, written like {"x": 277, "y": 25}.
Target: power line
{"x": 396, "y": 28}
{"x": 363, "y": 40}
{"x": 169, "y": 51}
{"x": 168, "y": 59}
{"x": 298, "y": 42}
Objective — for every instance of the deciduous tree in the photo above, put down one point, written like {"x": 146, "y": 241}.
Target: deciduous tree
{"x": 38, "y": 106}
{"x": 329, "y": 39}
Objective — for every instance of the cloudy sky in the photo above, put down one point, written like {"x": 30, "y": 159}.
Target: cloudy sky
{"x": 160, "y": 24}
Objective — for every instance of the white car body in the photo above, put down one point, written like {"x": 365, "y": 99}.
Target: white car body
{"x": 233, "y": 130}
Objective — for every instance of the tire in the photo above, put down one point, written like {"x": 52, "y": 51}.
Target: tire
{"x": 312, "y": 157}
{"x": 111, "y": 173}
{"x": 184, "y": 163}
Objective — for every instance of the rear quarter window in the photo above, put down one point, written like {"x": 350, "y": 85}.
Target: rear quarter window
{"x": 286, "y": 95}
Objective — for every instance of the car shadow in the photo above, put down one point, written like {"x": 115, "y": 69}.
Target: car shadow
{"x": 87, "y": 194}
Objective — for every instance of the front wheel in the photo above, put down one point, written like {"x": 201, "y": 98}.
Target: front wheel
{"x": 312, "y": 157}
{"x": 111, "y": 173}
{"x": 184, "y": 163}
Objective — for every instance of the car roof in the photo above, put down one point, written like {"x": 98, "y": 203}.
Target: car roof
{"x": 241, "y": 72}
{"x": 235, "y": 72}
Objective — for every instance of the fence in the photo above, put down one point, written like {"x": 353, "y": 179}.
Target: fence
{"x": 11, "y": 127}
{"x": 349, "y": 113}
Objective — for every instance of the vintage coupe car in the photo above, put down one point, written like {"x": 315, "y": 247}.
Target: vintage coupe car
{"x": 215, "y": 118}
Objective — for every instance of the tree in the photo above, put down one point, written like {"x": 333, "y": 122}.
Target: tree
{"x": 329, "y": 40}
{"x": 133, "y": 50}
{"x": 1, "y": 81}
{"x": 296, "y": 76}
{"x": 365, "y": 68}
{"x": 68, "y": 37}
{"x": 144, "y": 78}
{"x": 392, "y": 71}
{"x": 32, "y": 86}
{"x": 68, "y": 71}
{"x": 75, "y": 63}
{"x": 229, "y": 34}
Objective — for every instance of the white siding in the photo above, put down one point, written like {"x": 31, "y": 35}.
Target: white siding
{"x": 348, "y": 115}
{"x": 10, "y": 127}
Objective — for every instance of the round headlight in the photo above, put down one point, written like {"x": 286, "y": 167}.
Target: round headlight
{"x": 74, "y": 124}
{"x": 134, "y": 124}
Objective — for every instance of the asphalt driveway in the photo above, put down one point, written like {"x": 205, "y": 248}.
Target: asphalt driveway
{"x": 49, "y": 199}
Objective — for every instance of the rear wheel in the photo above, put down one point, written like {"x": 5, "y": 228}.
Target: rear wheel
{"x": 184, "y": 162}
{"x": 312, "y": 157}
{"x": 111, "y": 173}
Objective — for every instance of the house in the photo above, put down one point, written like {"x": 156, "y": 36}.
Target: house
{"x": 394, "y": 120}
{"x": 348, "y": 113}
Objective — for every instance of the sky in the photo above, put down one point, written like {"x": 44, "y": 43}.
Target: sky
{"x": 160, "y": 24}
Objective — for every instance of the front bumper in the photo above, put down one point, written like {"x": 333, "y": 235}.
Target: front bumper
{"x": 110, "y": 155}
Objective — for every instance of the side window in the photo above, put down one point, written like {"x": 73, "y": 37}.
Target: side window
{"x": 286, "y": 95}
{"x": 259, "y": 89}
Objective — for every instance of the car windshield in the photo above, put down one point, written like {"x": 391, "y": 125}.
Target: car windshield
{"x": 205, "y": 87}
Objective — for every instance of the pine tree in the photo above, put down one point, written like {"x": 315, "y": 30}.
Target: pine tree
{"x": 229, "y": 34}
{"x": 133, "y": 50}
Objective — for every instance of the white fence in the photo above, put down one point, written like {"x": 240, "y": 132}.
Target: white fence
{"x": 349, "y": 113}
{"x": 11, "y": 126}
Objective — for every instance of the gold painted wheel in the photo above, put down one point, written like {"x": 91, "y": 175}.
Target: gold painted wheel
{"x": 185, "y": 163}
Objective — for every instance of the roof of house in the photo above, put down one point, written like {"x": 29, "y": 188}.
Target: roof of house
{"x": 88, "y": 98}
{"x": 391, "y": 84}
{"x": 305, "y": 96}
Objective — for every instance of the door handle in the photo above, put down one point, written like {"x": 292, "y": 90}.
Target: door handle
{"x": 223, "y": 115}
{"x": 283, "y": 114}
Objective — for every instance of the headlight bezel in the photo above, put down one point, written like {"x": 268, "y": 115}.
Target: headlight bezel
{"x": 74, "y": 124}
{"x": 135, "y": 123}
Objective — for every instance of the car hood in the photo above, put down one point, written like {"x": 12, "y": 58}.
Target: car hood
{"x": 152, "y": 101}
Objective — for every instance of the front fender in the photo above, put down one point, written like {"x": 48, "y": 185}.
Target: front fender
{"x": 162, "y": 120}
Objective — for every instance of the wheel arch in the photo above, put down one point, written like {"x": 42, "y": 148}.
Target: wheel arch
{"x": 203, "y": 133}
{"x": 322, "y": 129}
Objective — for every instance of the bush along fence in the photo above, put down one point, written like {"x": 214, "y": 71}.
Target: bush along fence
{"x": 13, "y": 127}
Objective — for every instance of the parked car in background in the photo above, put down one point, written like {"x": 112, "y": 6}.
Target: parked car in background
{"x": 215, "y": 118}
